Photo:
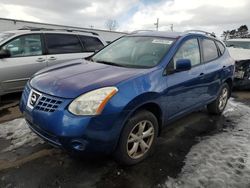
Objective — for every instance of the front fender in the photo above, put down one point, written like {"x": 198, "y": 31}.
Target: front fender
{"x": 141, "y": 100}
{"x": 148, "y": 88}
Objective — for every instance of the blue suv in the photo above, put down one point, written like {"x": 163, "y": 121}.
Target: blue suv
{"x": 119, "y": 99}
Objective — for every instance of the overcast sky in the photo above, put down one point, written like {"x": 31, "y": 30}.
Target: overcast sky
{"x": 211, "y": 15}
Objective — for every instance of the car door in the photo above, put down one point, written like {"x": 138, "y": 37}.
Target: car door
{"x": 213, "y": 67}
{"x": 185, "y": 89}
{"x": 63, "y": 48}
{"x": 26, "y": 59}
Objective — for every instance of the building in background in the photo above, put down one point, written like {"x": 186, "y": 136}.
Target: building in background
{"x": 12, "y": 24}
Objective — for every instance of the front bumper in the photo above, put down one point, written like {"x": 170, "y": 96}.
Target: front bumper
{"x": 79, "y": 133}
{"x": 242, "y": 84}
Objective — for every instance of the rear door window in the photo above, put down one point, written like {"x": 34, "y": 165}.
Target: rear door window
{"x": 62, "y": 44}
{"x": 91, "y": 44}
{"x": 209, "y": 50}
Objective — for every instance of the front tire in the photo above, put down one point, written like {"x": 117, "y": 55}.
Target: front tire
{"x": 137, "y": 139}
{"x": 218, "y": 106}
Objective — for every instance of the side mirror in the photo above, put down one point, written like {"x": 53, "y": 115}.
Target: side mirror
{"x": 4, "y": 54}
{"x": 183, "y": 65}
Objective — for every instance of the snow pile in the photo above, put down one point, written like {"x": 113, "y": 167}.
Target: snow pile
{"x": 18, "y": 132}
{"x": 222, "y": 160}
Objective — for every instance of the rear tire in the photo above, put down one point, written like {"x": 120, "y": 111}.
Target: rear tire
{"x": 137, "y": 138}
{"x": 218, "y": 106}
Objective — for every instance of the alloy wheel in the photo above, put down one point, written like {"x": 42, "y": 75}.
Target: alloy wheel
{"x": 223, "y": 99}
{"x": 140, "y": 139}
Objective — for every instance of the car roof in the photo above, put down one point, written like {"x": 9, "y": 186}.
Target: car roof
{"x": 24, "y": 31}
{"x": 168, "y": 34}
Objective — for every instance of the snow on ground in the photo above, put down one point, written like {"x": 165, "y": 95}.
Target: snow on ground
{"x": 221, "y": 160}
{"x": 239, "y": 53}
{"x": 19, "y": 134}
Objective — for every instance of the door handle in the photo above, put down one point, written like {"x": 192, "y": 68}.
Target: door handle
{"x": 52, "y": 58}
{"x": 202, "y": 74}
{"x": 224, "y": 67}
{"x": 40, "y": 59}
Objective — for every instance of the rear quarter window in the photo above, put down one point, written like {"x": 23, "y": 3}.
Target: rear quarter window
{"x": 209, "y": 50}
{"x": 221, "y": 47}
{"x": 91, "y": 44}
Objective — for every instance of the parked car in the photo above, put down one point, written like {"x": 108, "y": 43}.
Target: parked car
{"x": 119, "y": 100}
{"x": 240, "y": 51}
{"x": 24, "y": 52}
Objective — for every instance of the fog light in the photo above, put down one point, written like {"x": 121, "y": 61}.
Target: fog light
{"x": 79, "y": 145}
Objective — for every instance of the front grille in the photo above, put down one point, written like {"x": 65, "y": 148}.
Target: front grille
{"x": 48, "y": 104}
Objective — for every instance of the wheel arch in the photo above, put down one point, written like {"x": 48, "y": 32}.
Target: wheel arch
{"x": 152, "y": 107}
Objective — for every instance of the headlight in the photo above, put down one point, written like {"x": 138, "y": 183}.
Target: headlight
{"x": 93, "y": 102}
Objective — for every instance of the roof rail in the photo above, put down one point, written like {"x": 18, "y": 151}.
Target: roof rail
{"x": 138, "y": 31}
{"x": 50, "y": 29}
{"x": 200, "y": 31}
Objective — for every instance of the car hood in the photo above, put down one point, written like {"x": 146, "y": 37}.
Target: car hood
{"x": 77, "y": 77}
{"x": 239, "y": 53}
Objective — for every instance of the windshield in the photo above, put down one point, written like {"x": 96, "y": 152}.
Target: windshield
{"x": 238, "y": 44}
{"x": 141, "y": 52}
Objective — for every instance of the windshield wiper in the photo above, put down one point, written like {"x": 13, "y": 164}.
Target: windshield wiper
{"x": 121, "y": 65}
{"x": 110, "y": 63}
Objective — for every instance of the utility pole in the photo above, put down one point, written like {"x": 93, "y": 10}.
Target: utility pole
{"x": 172, "y": 27}
{"x": 157, "y": 24}
{"x": 91, "y": 26}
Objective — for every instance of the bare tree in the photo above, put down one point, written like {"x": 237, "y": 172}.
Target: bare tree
{"x": 111, "y": 24}
{"x": 225, "y": 35}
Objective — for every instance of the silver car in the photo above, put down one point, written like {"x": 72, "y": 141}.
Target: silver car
{"x": 24, "y": 52}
